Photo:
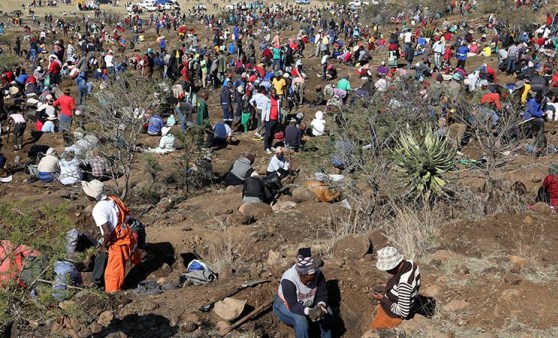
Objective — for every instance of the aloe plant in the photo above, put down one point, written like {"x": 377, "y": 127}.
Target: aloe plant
{"x": 424, "y": 158}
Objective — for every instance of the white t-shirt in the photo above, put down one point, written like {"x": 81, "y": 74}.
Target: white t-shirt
{"x": 407, "y": 37}
{"x": 106, "y": 211}
{"x": 109, "y": 60}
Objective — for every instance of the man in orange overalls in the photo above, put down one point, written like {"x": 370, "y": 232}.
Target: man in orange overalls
{"x": 111, "y": 216}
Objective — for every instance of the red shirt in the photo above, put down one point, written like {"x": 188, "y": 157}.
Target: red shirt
{"x": 54, "y": 67}
{"x": 492, "y": 98}
{"x": 550, "y": 183}
{"x": 274, "y": 112}
{"x": 67, "y": 105}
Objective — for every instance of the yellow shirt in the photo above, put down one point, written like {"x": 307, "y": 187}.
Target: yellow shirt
{"x": 279, "y": 85}
{"x": 487, "y": 51}
{"x": 525, "y": 93}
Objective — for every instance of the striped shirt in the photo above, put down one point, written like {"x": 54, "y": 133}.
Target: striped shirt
{"x": 401, "y": 291}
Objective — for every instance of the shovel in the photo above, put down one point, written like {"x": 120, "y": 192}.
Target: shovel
{"x": 207, "y": 307}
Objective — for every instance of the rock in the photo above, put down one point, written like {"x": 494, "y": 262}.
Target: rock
{"x": 512, "y": 278}
{"x": 518, "y": 261}
{"x": 177, "y": 218}
{"x": 105, "y": 318}
{"x": 188, "y": 326}
{"x": 542, "y": 208}
{"x": 273, "y": 257}
{"x": 436, "y": 263}
{"x": 352, "y": 247}
{"x": 84, "y": 333}
{"x": 234, "y": 189}
{"x": 283, "y": 205}
{"x": 162, "y": 280}
{"x": 300, "y": 195}
{"x": 510, "y": 295}
{"x": 462, "y": 270}
{"x": 256, "y": 210}
{"x": 118, "y": 334}
{"x": 221, "y": 325}
{"x": 528, "y": 220}
{"x": 238, "y": 218}
{"x": 191, "y": 317}
{"x": 456, "y": 305}
{"x": 95, "y": 327}
{"x": 226, "y": 273}
{"x": 229, "y": 308}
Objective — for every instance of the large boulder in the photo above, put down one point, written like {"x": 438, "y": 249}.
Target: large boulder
{"x": 256, "y": 210}
{"x": 229, "y": 308}
{"x": 302, "y": 194}
{"x": 352, "y": 247}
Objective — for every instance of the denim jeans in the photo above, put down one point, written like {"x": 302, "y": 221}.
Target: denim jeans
{"x": 298, "y": 322}
{"x": 64, "y": 122}
{"x": 182, "y": 119}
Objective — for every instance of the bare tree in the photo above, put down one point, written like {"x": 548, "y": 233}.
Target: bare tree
{"x": 121, "y": 108}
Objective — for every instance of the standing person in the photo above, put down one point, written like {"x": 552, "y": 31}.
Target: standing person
{"x": 67, "y": 108}
{"x": 438, "y": 48}
{"x": 202, "y": 114}
{"x": 226, "y": 102}
{"x": 324, "y": 65}
{"x": 461, "y": 54}
{"x": 19, "y": 123}
{"x": 111, "y": 215}
{"x": 401, "y": 290}
{"x": 271, "y": 120}
{"x": 262, "y": 103}
{"x": 302, "y": 297}
{"x": 513, "y": 57}
{"x": 54, "y": 68}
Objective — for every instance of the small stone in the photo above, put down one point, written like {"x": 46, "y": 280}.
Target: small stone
{"x": 273, "y": 257}
{"x": 118, "y": 334}
{"x": 192, "y": 317}
{"x": 542, "y": 208}
{"x": 105, "y": 318}
{"x": 528, "y": 220}
{"x": 238, "y": 218}
{"x": 256, "y": 210}
{"x": 188, "y": 327}
{"x": 512, "y": 278}
{"x": 95, "y": 327}
{"x": 302, "y": 194}
{"x": 436, "y": 263}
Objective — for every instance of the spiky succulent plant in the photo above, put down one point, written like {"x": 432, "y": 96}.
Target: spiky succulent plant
{"x": 424, "y": 158}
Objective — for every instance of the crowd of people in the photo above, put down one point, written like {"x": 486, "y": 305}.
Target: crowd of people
{"x": 256, "y": 72}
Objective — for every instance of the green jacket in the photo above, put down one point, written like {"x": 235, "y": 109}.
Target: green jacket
{"x": 202, "y": 114}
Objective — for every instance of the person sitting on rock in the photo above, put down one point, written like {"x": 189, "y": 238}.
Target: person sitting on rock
{"x": 548, "y": 192}
{"x": 278, "y": 163}
{"x": 155, "y": 125}
{"x": 240, "y": 170}
{"x": 401, "y": 290}
{"x": 254, "y": 189}
{"x": 166, "y": 144}
{"x": 48, "y": 166}
{"x": 302, "y": 297}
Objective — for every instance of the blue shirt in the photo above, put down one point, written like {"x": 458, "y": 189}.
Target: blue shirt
{"x": 462, "y": 53}
{"x": 155, "y": 125}
{"x": 533, "y": 110}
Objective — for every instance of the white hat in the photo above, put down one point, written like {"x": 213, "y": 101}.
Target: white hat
{"x": 388, "y": 258}
{"x": 93, "y": 188}
{"x": 51, "y": 151}
{"x": 42, "y": 106}
{"x": 165, "y": 131}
